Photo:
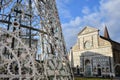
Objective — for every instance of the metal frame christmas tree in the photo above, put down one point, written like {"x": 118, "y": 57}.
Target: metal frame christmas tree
{"x": 32, "y": 45}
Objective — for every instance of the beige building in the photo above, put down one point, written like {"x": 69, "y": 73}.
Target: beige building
{"x": 94, "y": 54}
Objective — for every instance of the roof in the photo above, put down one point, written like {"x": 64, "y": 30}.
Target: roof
{"x": 110, "y": 40}
{"x": 87, "y": 29}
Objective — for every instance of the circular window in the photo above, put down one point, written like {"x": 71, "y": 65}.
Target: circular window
{"x": 88, "y": 44}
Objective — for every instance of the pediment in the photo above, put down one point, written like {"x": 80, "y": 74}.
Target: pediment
{"x": 87, "y": 30}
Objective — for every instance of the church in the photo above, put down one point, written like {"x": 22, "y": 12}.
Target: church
{"x": 95, "y": 55}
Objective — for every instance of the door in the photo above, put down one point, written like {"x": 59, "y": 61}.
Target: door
{"x": 88, "y": 70}
{"x": 117, "y": 70}
{"x": 99, "y": 71}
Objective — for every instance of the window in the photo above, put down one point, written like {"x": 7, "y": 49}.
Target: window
{"x": 87, "y": 44}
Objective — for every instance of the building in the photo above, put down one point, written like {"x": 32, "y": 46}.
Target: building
{"x": 94, "y": 54}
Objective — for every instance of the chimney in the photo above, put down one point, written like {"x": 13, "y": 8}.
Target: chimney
{"x": 106, "y": 34}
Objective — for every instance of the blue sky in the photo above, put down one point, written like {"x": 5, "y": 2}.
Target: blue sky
{"x": 76, "y": 14}
{"x": 75, "y": 8}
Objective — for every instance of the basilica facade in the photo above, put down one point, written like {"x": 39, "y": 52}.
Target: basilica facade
{"x": 95, "y": 55}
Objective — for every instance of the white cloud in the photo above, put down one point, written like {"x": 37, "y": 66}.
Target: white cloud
{"x": 110, "y": 10}
{"x": 86, "y": 10}
{"x": 73, "y": 23}
{"x": 108, "y": 14}
{"x": 70, "y": 31}
{"x": 61, "y": 5}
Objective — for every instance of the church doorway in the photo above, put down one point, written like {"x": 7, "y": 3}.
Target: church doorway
{"x": 99, "y": 71}
{"x": 87, "y": 68}
{"x": 117, "y": 70}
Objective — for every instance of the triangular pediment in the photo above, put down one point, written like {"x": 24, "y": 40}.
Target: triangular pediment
{"x": 87, "y": 30}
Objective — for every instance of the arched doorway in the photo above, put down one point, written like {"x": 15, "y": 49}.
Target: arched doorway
{"x": 99, "y": 71}
{"x": 117, "y": 70}
{"x": 87, "y": 68}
